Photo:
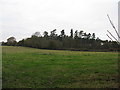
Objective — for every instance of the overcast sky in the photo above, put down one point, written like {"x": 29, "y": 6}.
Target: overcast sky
{"x": 21, "y": 18}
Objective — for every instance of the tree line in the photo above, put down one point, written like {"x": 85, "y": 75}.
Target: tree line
{"x": 78, "y": 41}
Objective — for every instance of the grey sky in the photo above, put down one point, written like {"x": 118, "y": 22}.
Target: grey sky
{"x": 21, "y": 18}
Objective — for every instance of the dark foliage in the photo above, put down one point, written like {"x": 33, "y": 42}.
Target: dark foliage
{"x": 78, "y": 41}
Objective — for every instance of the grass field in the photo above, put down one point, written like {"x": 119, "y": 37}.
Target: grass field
{"x": 36, "y": 68}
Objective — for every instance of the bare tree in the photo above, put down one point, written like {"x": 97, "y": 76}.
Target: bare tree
{"x": 117, "y": 40}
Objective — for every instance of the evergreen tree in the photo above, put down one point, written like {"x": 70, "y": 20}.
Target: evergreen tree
{"x": 62, "y": 33}
{"x": 45, "y": 34}
{"x": 81, "y": 41}
{"x": 93, "y": 36}
{"x": 71, "y": 33}
{"x": 53, "y": 33}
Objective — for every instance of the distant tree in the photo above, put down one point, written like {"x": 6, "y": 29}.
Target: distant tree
{"x": 93, "y": 36}
{"x": 62, "y": 33}
{"x": 11, "y": 41}
{"x": 71, "y": 33}
{"x": 80, "y": 34}
{"x": 21, "y": 43}
{"x": 85, "y": 35}
{"x": 52, "y": 44}
{"x": 53, "y": 33}
{"x": 3, "y": 43}
{"x": 76, "y": 41}
{"x": 37, "y": 34}
{"x": 99, "y": 39}
{"x": 76, "y": 34}
{"x": 45, "y": 34}
{"x": 88, "y": 36}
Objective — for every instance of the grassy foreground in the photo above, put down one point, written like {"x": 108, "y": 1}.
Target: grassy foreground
{"x": 36, "y": 68}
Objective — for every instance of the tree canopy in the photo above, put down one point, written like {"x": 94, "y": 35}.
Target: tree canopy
{"x": 78, "y": 40}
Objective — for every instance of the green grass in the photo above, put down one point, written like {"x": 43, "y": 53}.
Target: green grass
{"x": 36, "y": 68}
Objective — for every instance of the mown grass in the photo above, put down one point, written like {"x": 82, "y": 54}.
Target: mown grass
{"x": 36, "y": 68}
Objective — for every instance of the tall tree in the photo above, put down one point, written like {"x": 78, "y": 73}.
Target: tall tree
{"x": 93, "y": 36}
{"x": 80, "y": 34}
{"x": 53, "y": 33}
{"x": 71, "y": 33}
{"x": 88, "y": 36}
{"x": 45, "y": 34}
{"x": 76, "y": 34}
{"x": 62, "y": 33}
